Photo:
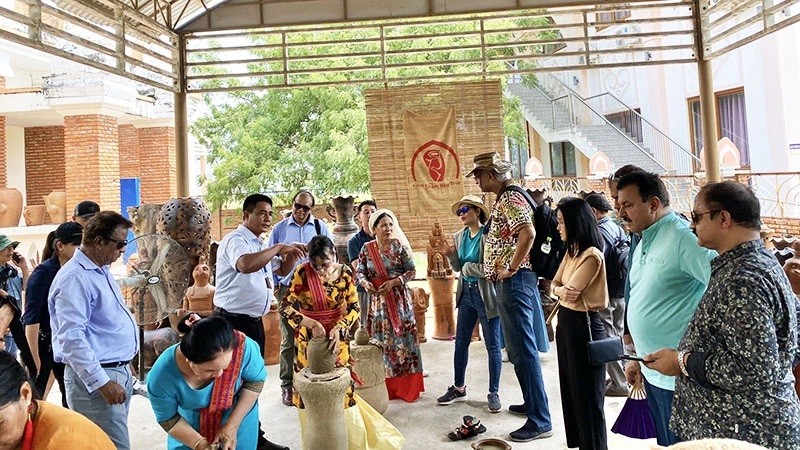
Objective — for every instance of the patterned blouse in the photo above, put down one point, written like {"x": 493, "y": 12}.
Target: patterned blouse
{"x": 743, "y": 339}
{"x": 510, "y": 212}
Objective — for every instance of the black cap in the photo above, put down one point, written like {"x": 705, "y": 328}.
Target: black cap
{"x": 86, "y": 209}
{"x": 69, "y": 233}
{"x": 599, "y": 202}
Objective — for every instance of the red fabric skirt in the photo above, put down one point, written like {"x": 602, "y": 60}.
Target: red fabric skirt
{"x": 407, "y": 387}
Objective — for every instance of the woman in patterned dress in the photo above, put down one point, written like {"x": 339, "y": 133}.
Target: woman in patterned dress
{"x": 322, "y": 302}
{"x": 384, "y": 267}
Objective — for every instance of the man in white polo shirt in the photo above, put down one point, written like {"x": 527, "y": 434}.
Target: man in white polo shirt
{"x": 244, "y": 276}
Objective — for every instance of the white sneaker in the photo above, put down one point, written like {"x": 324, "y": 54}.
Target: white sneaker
{"x": 504, "y": 355}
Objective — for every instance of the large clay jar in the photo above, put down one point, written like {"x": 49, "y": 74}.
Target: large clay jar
{"x": 272, "y": 336}
{"x": 342, "y": 210}
{"x": 56, "y": 205}
{"x": 421, "y": 302}
{"x": 368, "y": 365}
{"x": 10, "y": 207}
{"x": 34, "y": 215}
{"x": 320, "y": 358}
{"x": 443, "y": 308}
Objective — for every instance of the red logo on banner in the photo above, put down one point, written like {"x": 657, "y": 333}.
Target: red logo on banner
{"x": 436, "y": 156}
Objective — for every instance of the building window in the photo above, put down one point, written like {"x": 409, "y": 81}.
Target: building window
{"x": 562, "y": 159}
{"x": 731, "y": 122}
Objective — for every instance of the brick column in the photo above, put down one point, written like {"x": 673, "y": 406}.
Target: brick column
{"x": 44, "y": 163}
{"x": 129, "y": 165}
{"x": 157, "y": 162}
{"x": 92, "y": 168}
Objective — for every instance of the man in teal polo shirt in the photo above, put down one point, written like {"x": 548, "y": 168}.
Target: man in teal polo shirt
{"x": 669, "y": 273}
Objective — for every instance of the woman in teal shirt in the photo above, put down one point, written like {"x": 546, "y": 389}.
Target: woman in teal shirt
{"x": 205, "y": 390}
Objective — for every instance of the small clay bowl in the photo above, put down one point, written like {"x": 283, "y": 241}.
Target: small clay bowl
{"x": 491, "y": 444}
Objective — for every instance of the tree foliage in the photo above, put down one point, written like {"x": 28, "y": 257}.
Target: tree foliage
{"x": 281, "y": 140}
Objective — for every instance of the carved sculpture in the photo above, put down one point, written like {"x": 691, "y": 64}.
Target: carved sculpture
{"x": 421, "y": 303}
{"x": 343, "y": 211}
{"x": 199, "y": 297}
{"x": 34, "y": 215}
{"x": 441, "y": 280}
{"x": 368, "y": 365}
{"x": 56, "y": 204}
{"x": 188, "y": 221}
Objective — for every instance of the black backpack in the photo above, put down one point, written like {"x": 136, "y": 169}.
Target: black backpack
{"x": 547, "y": 250}
{"x": 616, "y": 252}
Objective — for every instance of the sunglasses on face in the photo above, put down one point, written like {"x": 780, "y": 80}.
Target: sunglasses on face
{"x": 120, "y": 244}
{"x": 697, "y": 217}
{"x": 303, "y": 207}
{"x": 463, "y": 210}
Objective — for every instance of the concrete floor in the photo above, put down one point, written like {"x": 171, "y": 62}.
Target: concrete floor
{"x": 423, "y": 423}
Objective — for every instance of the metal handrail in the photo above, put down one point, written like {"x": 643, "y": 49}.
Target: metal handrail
{"x": 625, "y": 135}
{"x": 628, "y": 109}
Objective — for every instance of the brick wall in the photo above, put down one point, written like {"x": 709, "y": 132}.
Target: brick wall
{"x": 129, "y": 163}
{"x": 782, "y": 226}
{"x": 44, "y": 163}
{"x": 223, "y": 221}
{"x": 157, "y": 164}
{"x": 3, "y": 151}
{"x": 92, "y": 169}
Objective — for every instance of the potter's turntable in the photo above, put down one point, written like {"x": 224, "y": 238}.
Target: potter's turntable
{"x": 157, "y": 278}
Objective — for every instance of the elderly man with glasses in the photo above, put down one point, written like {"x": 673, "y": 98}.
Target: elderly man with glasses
{"x": 93, "y": 331}
{"x": 298, "y": 228}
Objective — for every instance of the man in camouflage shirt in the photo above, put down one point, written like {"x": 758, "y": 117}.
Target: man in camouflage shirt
{"x": 734, "y": 363}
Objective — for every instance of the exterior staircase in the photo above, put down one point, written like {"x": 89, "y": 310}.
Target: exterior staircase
{"x": 560, "y": 114}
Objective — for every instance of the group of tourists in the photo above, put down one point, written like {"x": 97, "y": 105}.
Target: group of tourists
{"x": 706, "y": 309}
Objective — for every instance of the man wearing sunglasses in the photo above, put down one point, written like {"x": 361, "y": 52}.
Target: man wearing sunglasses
{"x": 93, "y": 331}
{"x": 669, "y": 273}
{"x": 298, "y": 228}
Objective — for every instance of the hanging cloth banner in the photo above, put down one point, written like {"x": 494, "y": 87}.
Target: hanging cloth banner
{"x": 433, "y": 165}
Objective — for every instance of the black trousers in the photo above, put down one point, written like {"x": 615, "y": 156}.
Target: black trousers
{"x": 582, "y": 384}
{"x": 47, "y": 365}
{"x": 253, "y": 328}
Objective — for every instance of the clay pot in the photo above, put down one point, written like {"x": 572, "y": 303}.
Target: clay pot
{"x": 56, "y": 205}
{"x": 361, "y": 336}
{"x": 443, "y": 306}
{"x": 320, "y": 358}
{"x": 34, "y": 215}
{"x": 342, "y": 210}
{"x": 272, "y": 336}
{"x": 10, "y": 207}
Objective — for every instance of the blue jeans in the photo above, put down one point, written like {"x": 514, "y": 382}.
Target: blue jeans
{"x": 470, "y": 310}
{"x": 660, "y": 403}
{"x": 113, "y": 419}
{"x": 520, "y": 312}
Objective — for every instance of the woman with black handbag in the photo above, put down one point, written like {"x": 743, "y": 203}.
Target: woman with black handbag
{"x": 580, "y": 284}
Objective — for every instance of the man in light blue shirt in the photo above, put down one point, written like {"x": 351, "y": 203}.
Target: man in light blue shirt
{"x": 298, "y": 228}
{"x": 93, "y": 331}
{"x": 669, "y": 273}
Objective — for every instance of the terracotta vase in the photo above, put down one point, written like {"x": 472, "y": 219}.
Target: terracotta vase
{"x": 34, "y": 215}
{"x": 421, "y": 303}
{"x": 272, "y": 336}
{"x": 343, "y": 211}
{"x": 320, "y": 358}
{"x": 443, "y": 306}
{"x": 56, "y": 205}
{"x": 10, "y": 207}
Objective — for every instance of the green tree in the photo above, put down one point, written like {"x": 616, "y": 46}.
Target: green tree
{"x": 280, "y": 140}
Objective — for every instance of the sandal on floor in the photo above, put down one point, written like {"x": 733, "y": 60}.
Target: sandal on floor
{"x": 471, "y": 428}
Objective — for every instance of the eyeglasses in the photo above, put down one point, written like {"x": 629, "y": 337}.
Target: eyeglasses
{"x": 463, "y": 210}
{"x": 120, "y": 244}
{"x": 697, "y": 216}
{"x": 302, "y": 206}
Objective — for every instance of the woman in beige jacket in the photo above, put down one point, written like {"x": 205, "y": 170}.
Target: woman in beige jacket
{"x": 580, "y": 284}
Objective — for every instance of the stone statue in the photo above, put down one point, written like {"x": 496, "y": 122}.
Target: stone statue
{"x": 199, "y": 296}
{"x": 438, "y": 264}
